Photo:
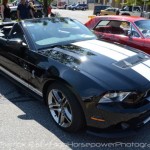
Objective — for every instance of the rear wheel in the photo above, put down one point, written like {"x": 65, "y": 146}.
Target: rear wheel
{"x": 64, "y": 107}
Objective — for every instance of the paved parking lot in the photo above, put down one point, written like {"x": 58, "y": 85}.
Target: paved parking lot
{"x": 25, "y": 123}
{"x": 80, "y": 15}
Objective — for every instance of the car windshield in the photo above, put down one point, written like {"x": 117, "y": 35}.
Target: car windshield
{"x": 144, "y": 27}
{"x": 49, "y": 32}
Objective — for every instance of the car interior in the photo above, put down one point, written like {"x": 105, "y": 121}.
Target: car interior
{"x": 113, "y": 27}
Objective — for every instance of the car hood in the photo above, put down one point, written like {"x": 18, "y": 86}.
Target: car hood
{"x": 116, "y": 66}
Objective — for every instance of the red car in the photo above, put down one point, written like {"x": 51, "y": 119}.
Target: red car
{"x": 126, "y": 30}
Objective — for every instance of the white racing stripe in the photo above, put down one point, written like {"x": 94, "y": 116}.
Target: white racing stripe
{"x": 113, "y": 47}
{"x": 142, "y": 70}
{"x": 147, "y": 63}
{"x": 116, "y": 53}
{"x": 101, "y": 50}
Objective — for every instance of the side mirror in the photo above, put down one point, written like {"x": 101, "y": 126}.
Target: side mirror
{"x": 16, "y": 42}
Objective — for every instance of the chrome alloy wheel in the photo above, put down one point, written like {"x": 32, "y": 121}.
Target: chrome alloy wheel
{"x": 60, "y": 108}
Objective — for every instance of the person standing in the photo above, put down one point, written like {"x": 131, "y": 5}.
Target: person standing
{"x": 24, "y": 10}
{"x": 5, "y": 11}
{"x": 31, "y": 4}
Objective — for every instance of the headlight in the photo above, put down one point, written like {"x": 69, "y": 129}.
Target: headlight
{"x": 114, "y": 97}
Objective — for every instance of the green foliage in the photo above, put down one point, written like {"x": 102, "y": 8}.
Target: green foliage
{"x": 138, "y": 2}
{"x": 117, "y": 1}
{"x": 132, "y": 2}
{"x": 48, "y": 1}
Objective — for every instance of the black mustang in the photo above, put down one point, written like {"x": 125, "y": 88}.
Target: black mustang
{"x": 85, "y": 82}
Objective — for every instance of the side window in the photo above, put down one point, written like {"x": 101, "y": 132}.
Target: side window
{"x": 110, "y": 26}
{"x": 126, "y": 8}
{"x": 130, "y": 8}
{"x": 16, "y": 32}
{"x": 126, "y": 27}
{"x": 134, "y": 32}
{"x": 136, "y": 9}
{"x": 129, "y": 28}
{"x": 109, "y": 9}
{"x": 102, "y": 23}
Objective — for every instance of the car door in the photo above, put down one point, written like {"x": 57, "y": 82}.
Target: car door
{"x": 146, "y": 46}
{"x": 132, "y": 41}
{"x": 14, "y": 56}
{"x": 37, "y": 65}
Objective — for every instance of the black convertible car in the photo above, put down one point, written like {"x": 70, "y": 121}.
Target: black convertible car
{"x": 85, "y": 82}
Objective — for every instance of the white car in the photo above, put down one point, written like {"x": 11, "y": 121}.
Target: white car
{"x": 131, "y": 11}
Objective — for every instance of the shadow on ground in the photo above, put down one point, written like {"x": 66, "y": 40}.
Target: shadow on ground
{"x": 37, "y": 111}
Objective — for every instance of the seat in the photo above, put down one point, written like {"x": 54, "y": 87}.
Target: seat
{"x": 117, "y": 30}
{"x": 110, "y": 29}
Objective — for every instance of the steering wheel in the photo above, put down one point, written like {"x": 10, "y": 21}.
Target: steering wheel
{"x": 144, "y": 31}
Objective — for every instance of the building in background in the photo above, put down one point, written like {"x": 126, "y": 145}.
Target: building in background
{"x": 112, "y": 3}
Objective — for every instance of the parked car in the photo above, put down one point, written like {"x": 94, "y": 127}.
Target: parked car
{"x": 78, "y": 7}
{"x": 97, "y": 9}
{"x": 126, "y": 30}
{"x": 62, "y": 5}
{"x": 131, "y": 11}
{"x": 84, "y": 81}
{"x": 110, "y": 11}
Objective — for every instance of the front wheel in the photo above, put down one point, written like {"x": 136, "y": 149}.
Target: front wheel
{"x": 64, "y": 107}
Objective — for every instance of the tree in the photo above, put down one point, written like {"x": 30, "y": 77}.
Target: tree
{"x": 117, "y": 1}
{"x": 46, "y": 3}
{"x": 138, "y": 2}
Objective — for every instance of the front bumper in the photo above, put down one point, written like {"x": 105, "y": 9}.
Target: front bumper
{"x": 118, "y": 133}
{"x": 115, "y": 120}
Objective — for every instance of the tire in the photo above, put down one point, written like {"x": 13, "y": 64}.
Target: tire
{"x": 64, "y": 107}
{"x": 13, "y": 15}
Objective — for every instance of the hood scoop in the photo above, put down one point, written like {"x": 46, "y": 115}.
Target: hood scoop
{"x": 132, "y": 61}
